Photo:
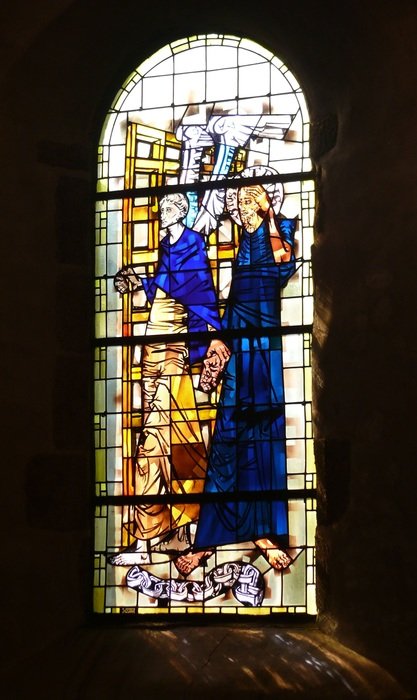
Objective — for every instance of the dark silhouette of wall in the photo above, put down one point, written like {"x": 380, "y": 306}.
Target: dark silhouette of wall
{"x": 62, "y": 62}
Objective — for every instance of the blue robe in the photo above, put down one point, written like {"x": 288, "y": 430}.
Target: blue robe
{"x": 248, "y": 447}
{"x": 184, "y": 274}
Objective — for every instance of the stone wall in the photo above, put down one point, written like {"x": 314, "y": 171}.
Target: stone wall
{"x": 62, "y": 62}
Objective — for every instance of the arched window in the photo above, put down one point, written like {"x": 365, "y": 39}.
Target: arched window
{"x": 205, "y": 480}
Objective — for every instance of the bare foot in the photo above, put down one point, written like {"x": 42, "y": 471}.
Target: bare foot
{"x": 188, "y": 562}
{"x": 175, "y": 542}
{"x": 135, "y": 554}
{"x": 274, "y": 554}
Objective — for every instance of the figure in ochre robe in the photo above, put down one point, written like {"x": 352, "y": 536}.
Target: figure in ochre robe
{"x": 171, "y": 455}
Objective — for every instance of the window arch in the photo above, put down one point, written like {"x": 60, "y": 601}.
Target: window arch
{"x": 205, "y": 479}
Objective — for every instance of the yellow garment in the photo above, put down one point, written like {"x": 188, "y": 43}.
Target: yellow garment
{"x": 171, "y": 456}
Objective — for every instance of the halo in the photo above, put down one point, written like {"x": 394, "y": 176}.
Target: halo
{"x": 275, "y": 190}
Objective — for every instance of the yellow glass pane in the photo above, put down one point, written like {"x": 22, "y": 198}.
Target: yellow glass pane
{"x": 99, "y": 594}
{"x": 100, "y": 323}
{"x": 311, "y": 526}
{"x": 100, "y": 465}
{"x": 99, "y": 396}
{"x": 311, "y": 600}
{"x": 310, "y": 461}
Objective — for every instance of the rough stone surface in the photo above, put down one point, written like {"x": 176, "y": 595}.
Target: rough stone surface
{"x": 195, "y": 662}
{"x": 74, "y": 220}
{"x": 53, "y": 487}
{"x": 62, "y": 63}
{"x": 323, "y": 136}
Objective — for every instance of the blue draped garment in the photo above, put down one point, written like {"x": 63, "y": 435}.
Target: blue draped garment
{"x": 248, "y": 447}
{"x": 184, "y": 273}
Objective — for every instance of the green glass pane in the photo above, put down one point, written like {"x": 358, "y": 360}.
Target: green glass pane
{"x": 100, "y": 465}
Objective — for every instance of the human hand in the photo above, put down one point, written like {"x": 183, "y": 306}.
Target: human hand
{"x": 126, "y": 280}
{"x": 263, "y": 200}
{"x": 216, "y": 357}
{"x": 217, "y": 354}
{"x": 255, "y": 197}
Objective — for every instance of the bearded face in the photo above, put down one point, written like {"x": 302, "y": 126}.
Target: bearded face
{"x": 253, "y": 204}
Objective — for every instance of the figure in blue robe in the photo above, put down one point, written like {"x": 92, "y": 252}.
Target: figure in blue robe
{"x": 247, "y": 452}
{"x": 184, "y": 274}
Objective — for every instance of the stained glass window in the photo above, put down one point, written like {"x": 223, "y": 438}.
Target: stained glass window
{"x": 205, "y": 477}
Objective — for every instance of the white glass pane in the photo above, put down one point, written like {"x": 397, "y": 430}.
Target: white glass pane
{"x": 222, "y": 84}
{"x": 254, "y": 80}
